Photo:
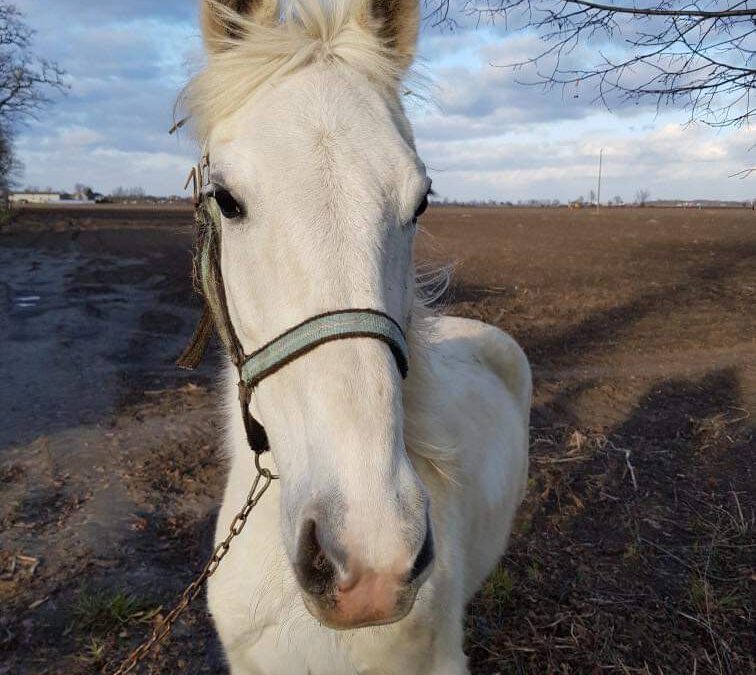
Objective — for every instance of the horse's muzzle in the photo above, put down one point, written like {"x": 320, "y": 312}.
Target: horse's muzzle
{"x": 343, "y": 593}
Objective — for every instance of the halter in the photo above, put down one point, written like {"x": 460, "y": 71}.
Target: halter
{"x": 282, "y": 350}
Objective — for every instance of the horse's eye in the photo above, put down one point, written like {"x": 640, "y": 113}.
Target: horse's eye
{"x": 421, "y": 209}
{"x": 229, "y": 207}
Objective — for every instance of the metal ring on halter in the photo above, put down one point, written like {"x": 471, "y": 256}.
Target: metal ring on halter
{"x": 208, "y": 190}
{"x": 265, "y": 473}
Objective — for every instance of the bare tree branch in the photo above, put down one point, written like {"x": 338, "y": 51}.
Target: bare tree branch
{"x": 698, "y": 54}
{"x": 26, "y": 83}
{"x": 640, "y": 11}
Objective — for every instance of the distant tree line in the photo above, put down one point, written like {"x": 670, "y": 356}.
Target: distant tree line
{"x": 136, "y": 192}
{"x": 641, "y": 198}
{"x": 444, "y": 201}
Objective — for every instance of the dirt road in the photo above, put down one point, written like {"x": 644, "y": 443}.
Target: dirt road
{"x": 634, "y": 552}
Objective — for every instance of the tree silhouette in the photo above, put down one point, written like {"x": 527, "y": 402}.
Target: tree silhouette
{"x": 26, "y": 83}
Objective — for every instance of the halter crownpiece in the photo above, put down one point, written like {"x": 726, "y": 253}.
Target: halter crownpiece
{"x": 282, "y": 350}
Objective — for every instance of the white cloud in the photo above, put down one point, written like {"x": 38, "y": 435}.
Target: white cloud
{"x": 670, "y": 160}
{"x": 73, "y": 138}
{"x": 105, "y": 168}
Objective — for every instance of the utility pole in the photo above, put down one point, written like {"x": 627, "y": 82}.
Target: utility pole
{"x": 598, "y": 190}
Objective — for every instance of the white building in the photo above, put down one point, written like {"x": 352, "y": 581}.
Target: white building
{"x": 34, "y": 197}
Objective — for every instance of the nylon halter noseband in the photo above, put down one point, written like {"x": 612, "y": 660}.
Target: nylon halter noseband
{"x": 282, "y": 350}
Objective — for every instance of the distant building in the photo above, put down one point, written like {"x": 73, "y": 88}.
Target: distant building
{"x": 62, "y": 198}
{"x": 35, "y": 197}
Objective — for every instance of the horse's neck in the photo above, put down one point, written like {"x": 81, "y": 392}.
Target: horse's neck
{"x": 424, "y": 434}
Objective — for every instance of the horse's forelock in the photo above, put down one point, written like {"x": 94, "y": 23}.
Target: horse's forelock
{"x": 254, "y": 53}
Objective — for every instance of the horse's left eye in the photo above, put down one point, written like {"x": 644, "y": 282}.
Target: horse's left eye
{"x": 229, "y": 207}
{"x": 421, "y": 209}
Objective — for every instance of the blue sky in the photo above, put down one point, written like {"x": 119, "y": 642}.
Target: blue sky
{"x": 483, "y": 135}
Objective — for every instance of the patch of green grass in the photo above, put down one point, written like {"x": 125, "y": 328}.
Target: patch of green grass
{"x": 500, "y": 585}
{"x": 535, "y": 573}
{"x": 93, "y": 652}
{"x": 699, "y": 593}
{"x": 101, "y": 612}
{"x": 524, "y": 526}
{"x": 631, "y": 553}
{"x": 6, "y": 217}
{"x": 732, "y": 601}
{"x": 704, "y": 599}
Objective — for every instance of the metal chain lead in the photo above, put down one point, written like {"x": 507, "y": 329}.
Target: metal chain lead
{"x": 262, "y": 480}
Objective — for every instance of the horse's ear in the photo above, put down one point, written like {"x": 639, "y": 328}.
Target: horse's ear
{"x": 218, "y": 26}
{"x": 396, "y": 23}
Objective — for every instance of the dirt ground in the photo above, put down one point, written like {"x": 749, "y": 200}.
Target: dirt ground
{"x": 634, "y": 552}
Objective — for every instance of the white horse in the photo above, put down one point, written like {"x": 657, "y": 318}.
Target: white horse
{"x": 396, "y": 498}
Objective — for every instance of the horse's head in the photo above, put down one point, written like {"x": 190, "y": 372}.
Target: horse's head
{"x": 320, "y": 186}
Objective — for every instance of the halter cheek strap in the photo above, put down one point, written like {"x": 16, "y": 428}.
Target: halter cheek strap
{"x": 282, "y": 350}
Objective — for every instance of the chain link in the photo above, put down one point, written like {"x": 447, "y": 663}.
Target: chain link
{"x": 262, "y": 481}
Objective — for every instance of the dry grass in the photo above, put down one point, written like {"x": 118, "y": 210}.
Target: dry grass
{"x": 605, "y": 575}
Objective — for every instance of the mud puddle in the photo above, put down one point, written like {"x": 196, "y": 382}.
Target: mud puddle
{"x": 84, "y": 329}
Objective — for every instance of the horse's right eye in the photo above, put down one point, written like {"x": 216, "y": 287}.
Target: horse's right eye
{"x": 229, "y": 207}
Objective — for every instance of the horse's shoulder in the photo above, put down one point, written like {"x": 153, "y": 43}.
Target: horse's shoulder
{"x": 480, "y": 343}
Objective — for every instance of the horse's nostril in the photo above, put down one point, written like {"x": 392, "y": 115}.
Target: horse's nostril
{"x": 315, "y": 571}
{"x": 424, "y": 557}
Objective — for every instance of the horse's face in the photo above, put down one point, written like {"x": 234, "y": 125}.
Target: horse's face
{"x": 321, "y": 185}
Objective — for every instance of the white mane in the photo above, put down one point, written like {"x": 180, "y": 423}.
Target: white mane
{"x": 252, "y": 54}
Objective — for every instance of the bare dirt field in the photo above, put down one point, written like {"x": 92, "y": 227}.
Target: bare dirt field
{"x": 634, "y": 552}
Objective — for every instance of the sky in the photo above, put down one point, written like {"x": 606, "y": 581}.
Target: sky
{"x": 482, "y": 134}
